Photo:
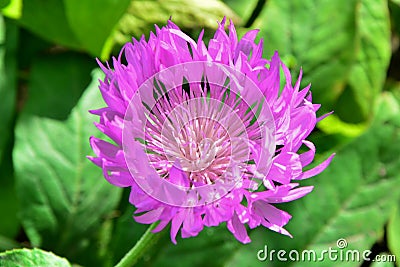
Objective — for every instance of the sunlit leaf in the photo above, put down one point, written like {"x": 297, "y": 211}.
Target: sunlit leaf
{"x": 93, "y": 22}
{"x": 189, "y": 15}
{"x": 31, "y": 257}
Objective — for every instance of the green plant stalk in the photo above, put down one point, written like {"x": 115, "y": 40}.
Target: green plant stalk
{"x": 137, "y": 251}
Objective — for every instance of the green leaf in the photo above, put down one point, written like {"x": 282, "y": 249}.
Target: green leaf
{"x": 31, "y": 257}
{"x": 396, "y": 1}
{"x": 13, "y": 9}
{"x": 352, "y": 199}
{"x": 393, "y": 232}
{"x": 333, "y": 125}
{"x": 64, "y": 197}
{"x": 294, "y": 28}
{"x": 4, "y": 3}
{"x": 9, "y": 225}
{"x": 81, "y": 25}
{"x": 368, "y": 72}
{"x": 343, "y": 47}
{"x": 56, "y": 82}
{"x": 93, "y": 22}
{"x": 8, "y": 71}
{"x": 187, "y": 14}
{"x": 394, "y": 8}
{"x": 48, "y": 20}
{"x": 243, "y": 8}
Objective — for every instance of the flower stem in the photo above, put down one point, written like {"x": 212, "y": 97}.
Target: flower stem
{"x": 137, "y": 251}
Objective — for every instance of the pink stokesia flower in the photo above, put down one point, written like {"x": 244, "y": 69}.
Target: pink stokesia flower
{"x": 193, "y": 162}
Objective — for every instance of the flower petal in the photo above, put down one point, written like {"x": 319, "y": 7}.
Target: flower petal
{"x": 238, "y": 229}
{"x": 316, "y": 170}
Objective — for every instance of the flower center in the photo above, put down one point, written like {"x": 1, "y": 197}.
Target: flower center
{"x": 197, "y": 156}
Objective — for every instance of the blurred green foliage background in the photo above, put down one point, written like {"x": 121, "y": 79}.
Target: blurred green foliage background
{"x": 53, "y": 198}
